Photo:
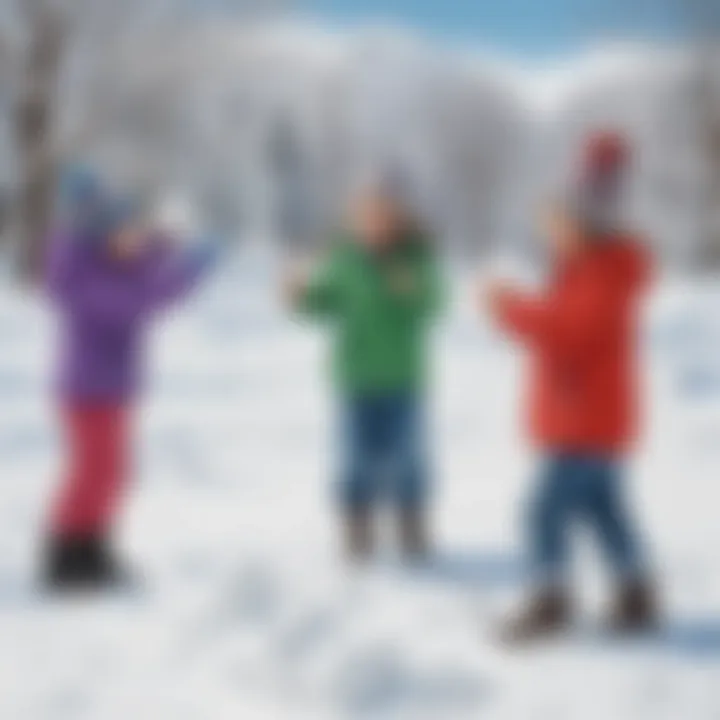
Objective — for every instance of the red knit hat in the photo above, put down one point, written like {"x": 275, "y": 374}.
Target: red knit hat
{"x": 606, "y": 152}
{"x": 597, "y": 197}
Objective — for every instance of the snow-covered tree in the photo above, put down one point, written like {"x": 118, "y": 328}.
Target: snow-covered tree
{"x": 62, "y": 61}
{"x": 703, "y": 19}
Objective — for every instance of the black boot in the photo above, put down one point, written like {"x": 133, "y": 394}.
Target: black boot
{"x": 82, "y": 563}
{"x": 548, "y": 613}
{"x": 359, "y": 533}
{"x": 413, "y": 534}
{"x": 635, "y": 608}
{"x": 70, "y": 563}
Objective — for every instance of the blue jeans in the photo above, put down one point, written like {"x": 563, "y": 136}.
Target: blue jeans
{"x": 586, "y": 488}
{"x": 383, "y": 451}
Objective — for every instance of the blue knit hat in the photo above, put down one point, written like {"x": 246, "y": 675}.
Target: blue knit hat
{"x": 79, "y": 188}
{"x": 90, "y": 207}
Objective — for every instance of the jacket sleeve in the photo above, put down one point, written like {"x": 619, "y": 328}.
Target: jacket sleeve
{"x": 175, "y": 274}
{"x": 322, "y": 295}
{"x": 568, "y": 327}
{"x": 60, "y": 265}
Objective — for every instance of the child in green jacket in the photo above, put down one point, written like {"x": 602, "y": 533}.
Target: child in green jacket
{"x": 379, "y": 290}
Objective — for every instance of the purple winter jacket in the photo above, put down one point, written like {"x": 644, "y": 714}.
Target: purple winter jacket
{"x": 104, "y": 307}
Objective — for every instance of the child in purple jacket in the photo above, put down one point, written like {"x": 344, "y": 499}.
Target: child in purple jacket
{"x": 108, "y": 275}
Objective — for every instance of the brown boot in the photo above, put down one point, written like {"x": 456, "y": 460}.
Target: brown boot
{"x": 548, "y": 613}
{"x": 413, "y": 534}
{"x": 635, "y": 608}
{"x": 359, "y": 534}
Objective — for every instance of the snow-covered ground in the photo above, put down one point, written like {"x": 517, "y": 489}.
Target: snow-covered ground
{"x": 248, "y": 611}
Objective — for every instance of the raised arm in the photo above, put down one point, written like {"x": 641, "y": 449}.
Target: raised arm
{"x": 175, "y": 273}
{"x": 60, "y": 264}
{"x": 319, "y": 294}
{"x": 558, "y": 326}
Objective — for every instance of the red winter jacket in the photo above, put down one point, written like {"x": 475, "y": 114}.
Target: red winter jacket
{"x": 582, "y": 333}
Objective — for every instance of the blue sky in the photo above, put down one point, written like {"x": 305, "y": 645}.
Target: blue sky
{"x": 527, "y": 27}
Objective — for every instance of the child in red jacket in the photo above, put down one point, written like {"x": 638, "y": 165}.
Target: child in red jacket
{"x": 581, "y": 333}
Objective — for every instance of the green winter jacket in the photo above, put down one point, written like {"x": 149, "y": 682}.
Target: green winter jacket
{"x": 380, "y": 307}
